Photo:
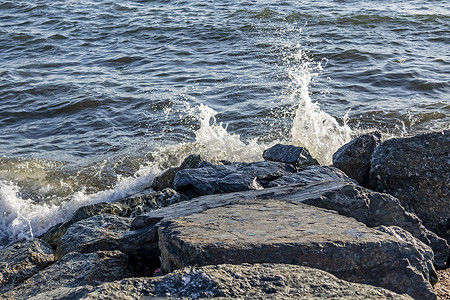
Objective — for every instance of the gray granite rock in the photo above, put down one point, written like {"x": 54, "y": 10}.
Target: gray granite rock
{"x": 74, "y": 275}
{"x": 257, "y": 281}
{"x": 22, "y": 260}
{"x": 416, "y": 171}
{"x": 295, "y": 233}
{"x": 312, "y": 174}
{"x": 217, "y": 179}
{"x": 371, "y": 208}
{"x": 354, "y": 157}
{"x": 298, "y": 156}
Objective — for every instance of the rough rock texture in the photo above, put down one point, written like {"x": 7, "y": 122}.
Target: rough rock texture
{"x": 416, "y": 171}
{"x": 289, "y": 154}
{"x": 74, "y": 275}
{"x": 313, "y": 174}
{"x": 371, "y": 208}
{"x": 354, "y": 157}
{"x": 217, "y": 179}
{"x": 98, "y": 233}
{"x": 165, "y": 180}
{"x": 283, "y": 232}
{"x": 442, "y": 288}
{"x": 128, "y": 207}
{"x": 258, "y": 281}
{"x": 22, "y": 260}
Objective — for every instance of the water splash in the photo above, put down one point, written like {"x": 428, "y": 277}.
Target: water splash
{"x": 312, "y": 128}
{"x": 212, "y": 141}
{"x": 24, "y": 218}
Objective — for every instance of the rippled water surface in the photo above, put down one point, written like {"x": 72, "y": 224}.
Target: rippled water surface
{"x": 97, "y": 97}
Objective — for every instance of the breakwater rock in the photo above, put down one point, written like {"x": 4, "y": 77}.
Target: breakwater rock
{"x": 415, "y": 170}
{"x": 285, "y": 227}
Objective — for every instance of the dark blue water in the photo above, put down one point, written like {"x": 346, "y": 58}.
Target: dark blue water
{"x": 96, "y": 97}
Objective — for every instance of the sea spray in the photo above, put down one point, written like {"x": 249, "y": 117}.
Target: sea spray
{"x": 312, "y": 128}
{"x": 212, "y": 141}
{"x": 23, "y": 218}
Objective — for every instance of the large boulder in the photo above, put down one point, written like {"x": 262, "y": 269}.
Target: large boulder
{"x": 416, "y": 171}
{"x": 257, "y": 281}
{"x": 297, "y": 156}
{"x": 22, "y": 260}
{"x": 354, "y": 157}
{"x": 295, "y": 233}
{"x": 74, "y": 275}
{"x": 217, "y": 179}
{"x": 371, "y": 208}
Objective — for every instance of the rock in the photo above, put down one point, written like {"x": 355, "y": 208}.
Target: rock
{"x": 375, "y": 209}
{"x": 289, "y": 154}
{"x": 416, "y": 171}
{"x": 74, "y": 275}
{"x": 108, "y": 232}
{"x": 22, "y": 260}
{"x": 442, "y": 287}
{"x": 217, "y": 179}
{"x": 295, "y": 233}
{"x": 371, "y": 208}
{"x": 258, "y": 281}
{"x": 312, "y": 174}
{"x": 354, "y": 157}
{"x": 98, "y": 233}
{"x": 165, "y": 180}
{"x": 129, "y": 207}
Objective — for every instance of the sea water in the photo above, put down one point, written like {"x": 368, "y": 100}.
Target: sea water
{"x": 99, "y": 97}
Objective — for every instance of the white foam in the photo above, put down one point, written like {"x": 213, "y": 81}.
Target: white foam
{"x": 25, "y": 219}
{"x": 313, "y": 128}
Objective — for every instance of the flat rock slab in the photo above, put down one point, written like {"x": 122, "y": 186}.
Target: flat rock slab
{"x": 283, "y": 232}
{"x": 73, "y": 276}
{"x": 371, "y": 208}
{"x": 22, "y": 260}
{"x": 258, "y": 281}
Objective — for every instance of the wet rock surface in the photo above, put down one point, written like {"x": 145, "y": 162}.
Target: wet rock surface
{"x": 416, "y": 171}
{"x": 218, "y": 179}
{"x": 297, "y": 156}
{"x": 128, "y": 207}
{"x": 165, "y": 180}
{"x": 354, "y": 158}
{"x": 257, "y": 281}
{"x": 283, "y": 232}
{"x": 22, "y": 260}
